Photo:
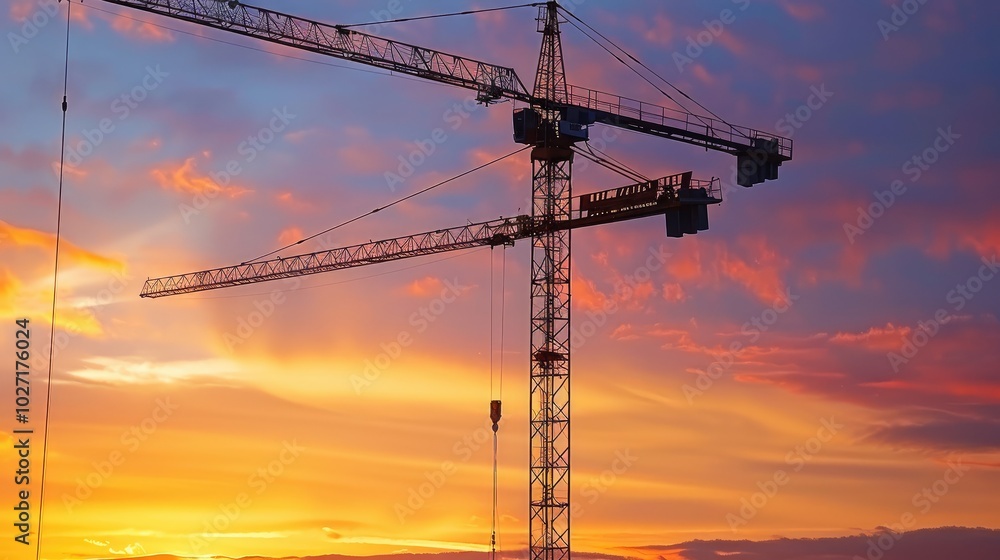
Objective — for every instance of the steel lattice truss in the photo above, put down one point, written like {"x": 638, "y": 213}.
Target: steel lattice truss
{"x": 492, "y": 82}
{"x": 552, "y": 194}
{"x": 463, "y": 237}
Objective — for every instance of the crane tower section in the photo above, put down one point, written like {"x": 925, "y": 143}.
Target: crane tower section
{"x": 551, "y": 164}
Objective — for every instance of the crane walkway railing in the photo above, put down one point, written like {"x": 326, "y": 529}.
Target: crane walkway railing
{"x": 651, "y": 113}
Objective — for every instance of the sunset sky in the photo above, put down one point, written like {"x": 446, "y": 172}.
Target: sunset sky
{"x": 820, "y": 363}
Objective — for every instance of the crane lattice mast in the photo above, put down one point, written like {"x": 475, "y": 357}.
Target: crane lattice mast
{"x": 551, "y": 188}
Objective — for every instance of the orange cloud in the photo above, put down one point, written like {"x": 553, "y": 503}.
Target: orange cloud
{"x": 24, "y": 237}
{"x": 685, "y": 265}
{"x": 625, "y": 331}
{"x": 425, "y": 287}
{"x": 20, "y": 10}
{"x": 78, "y": 320}
{"x": 518, "y": 169}
{"x": 290, "y": 235}
{"x": 733, "y": 44}
{"x": 185, "y": 179}
{"x": 802, "y": 11}
{"x": 293, "y": 203}
{"x": 978, "y": 390}
{"x": 876, "y": 338}
{"x": 9, "y": 287}
{"x": 985, "y": 241}
{"x": 16, "y": 303}
{"x": 16, "y": 300}
{"x": 678, "y": 339}
{"x": 761, "y": 275}
{"x": 80, "y": 17}
{"x": 586, "y": 295}
{"x": 673, "y": 292}
{"x": 702, "y": 74}
{"x": 141, "y": 30}
{"x": 659, "y": 30}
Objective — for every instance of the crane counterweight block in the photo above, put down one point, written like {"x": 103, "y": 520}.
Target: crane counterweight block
{"x": 526, "y": 125}
{"x": 547, "y": 153}
{"x": 759, "y": 162}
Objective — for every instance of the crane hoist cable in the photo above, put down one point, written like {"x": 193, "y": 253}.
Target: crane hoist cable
{"x": 55, "y": 288}
{"x": 495, "y": 404}
{"x": 503, "y": 297}
{"x": 503, "y": 293}
{"x": 495, "y": 417}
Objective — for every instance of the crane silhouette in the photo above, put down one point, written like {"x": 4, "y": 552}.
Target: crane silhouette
{"x": 556, "y": 117}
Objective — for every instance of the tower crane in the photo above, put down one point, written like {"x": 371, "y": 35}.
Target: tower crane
{"x": 557, "y": 116}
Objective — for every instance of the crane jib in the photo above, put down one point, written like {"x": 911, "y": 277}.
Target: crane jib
{"x": 491, "y": 82}
{"x": 680, "y": 198}
{"x": 759, "y": 153}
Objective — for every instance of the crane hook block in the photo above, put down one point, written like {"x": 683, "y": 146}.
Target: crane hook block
{"x": 495, "y": 415}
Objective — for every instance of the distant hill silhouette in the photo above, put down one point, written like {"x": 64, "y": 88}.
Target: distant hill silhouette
{"x": 941, "y": 543}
